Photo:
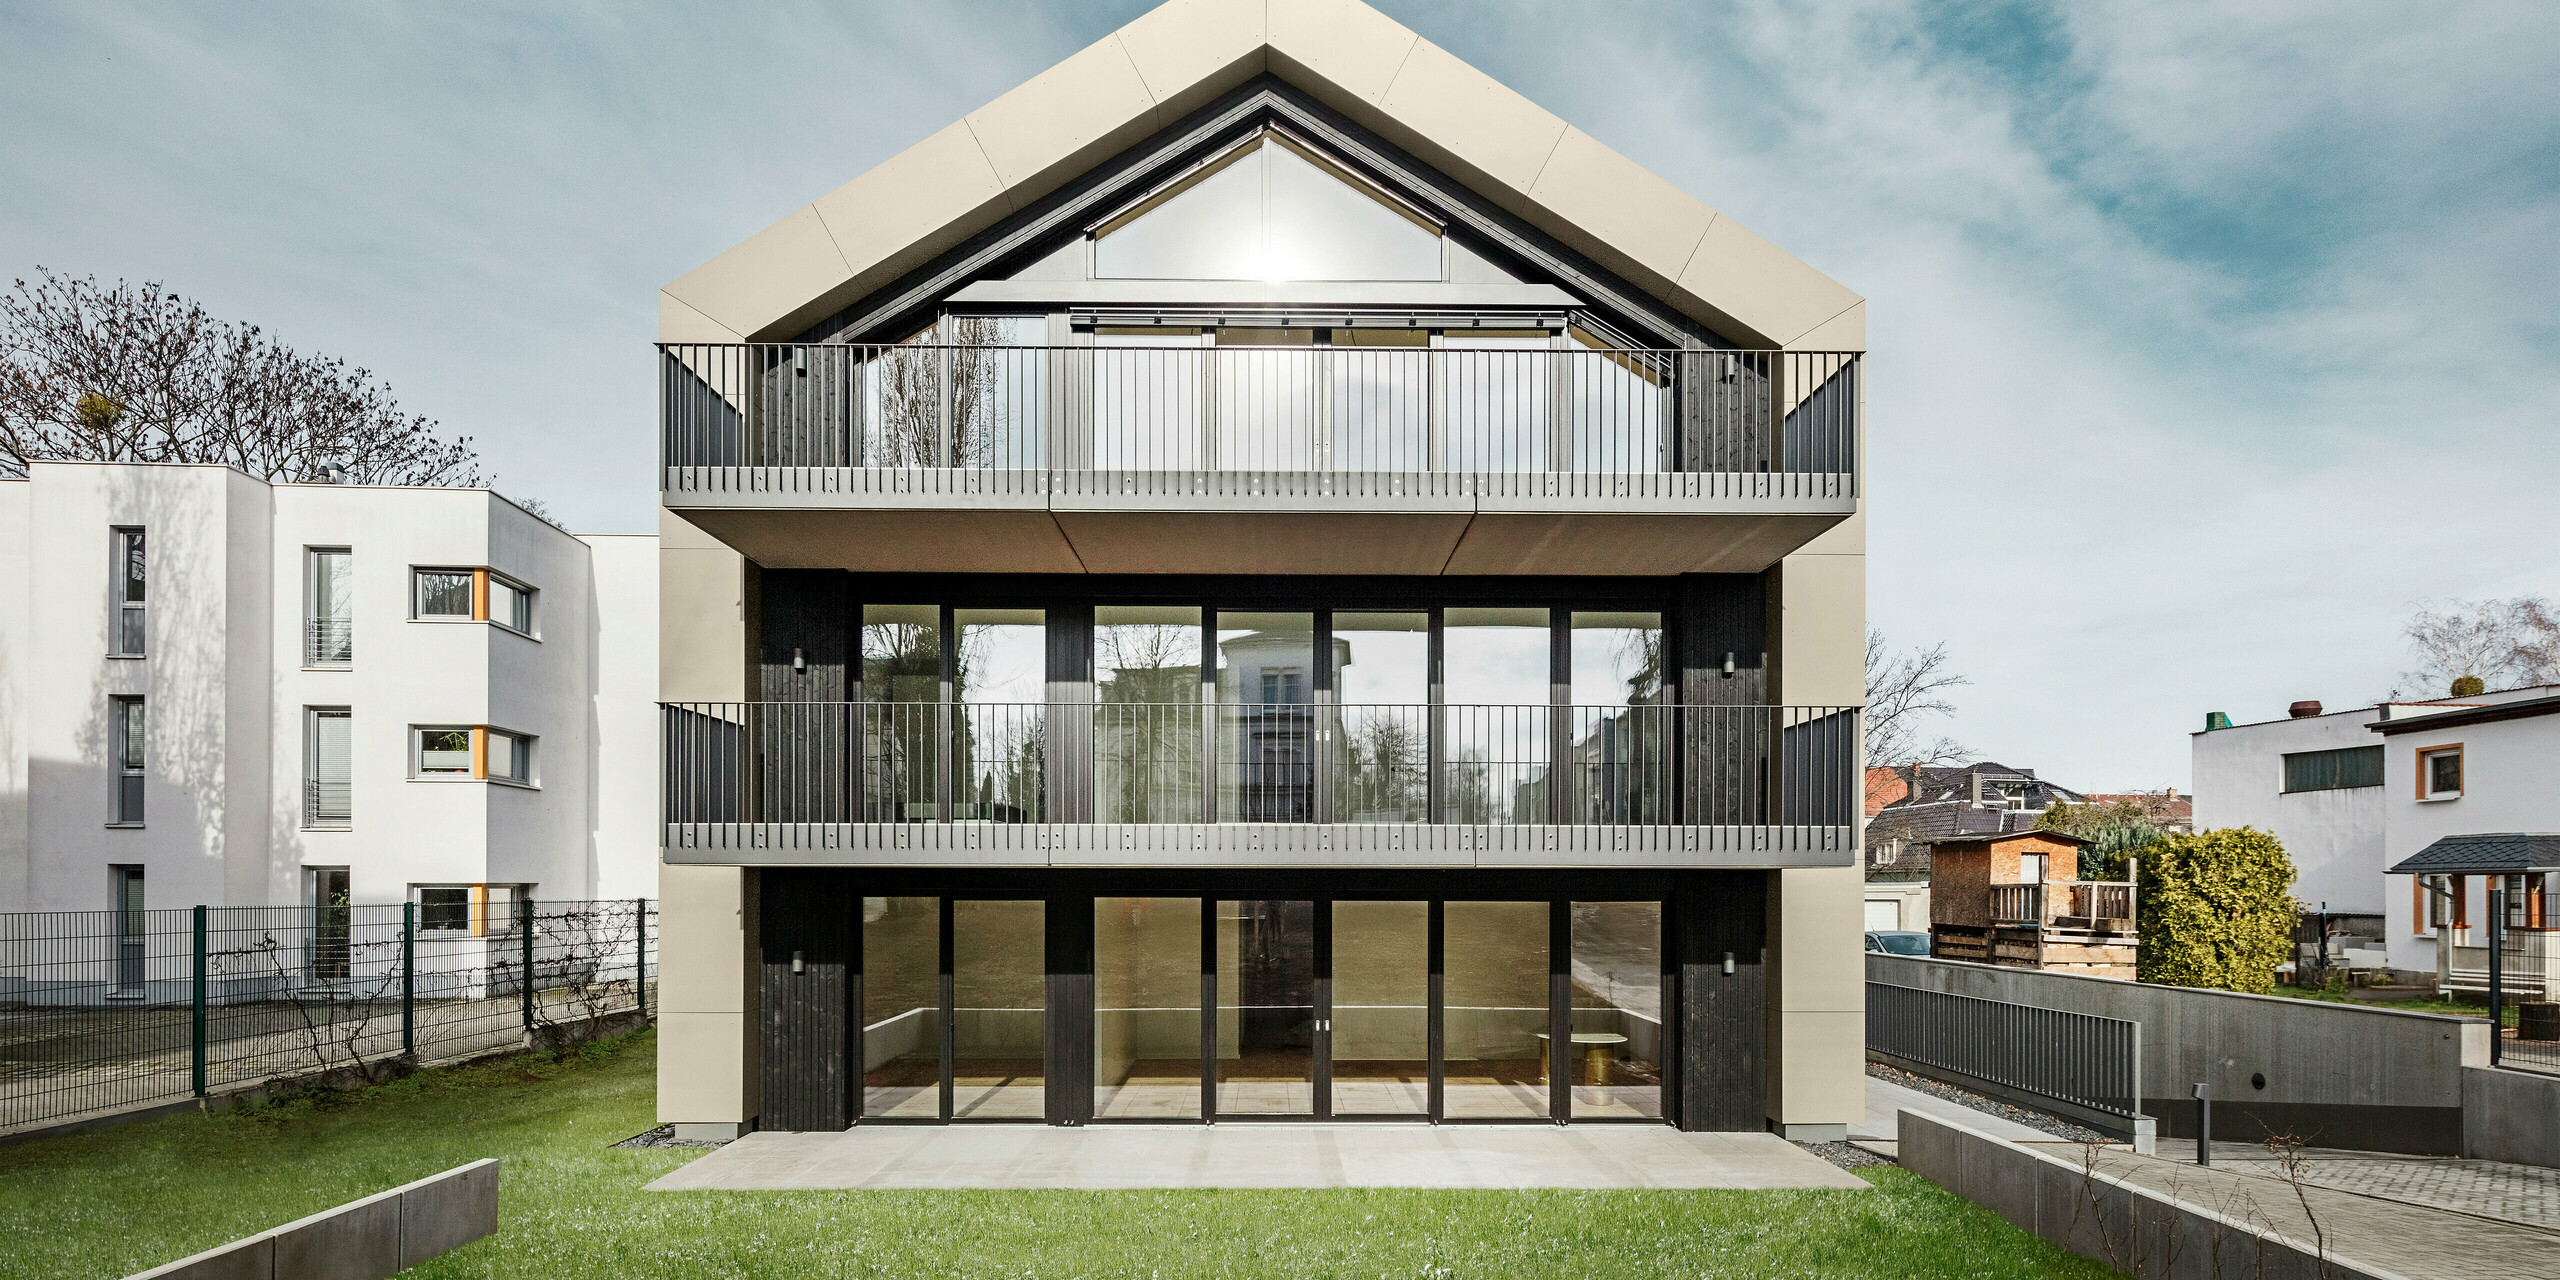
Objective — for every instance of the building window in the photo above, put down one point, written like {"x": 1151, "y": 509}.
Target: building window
{"x": 446, "y": 593}
{"x": 511, "y": 605}
{"x": 327, "y": 769}
{"x": 2338, "y": 770}
{"x": 1269, "y": 208}
{"x": 2445, "y": 907}
{"x": 332, "y": 923}
{"x": 480, "y": 910}
{"x": 444, "y": 910}
{"x": 126, "y": 626}
{"x": 2440, "y": 773}
{"x": 126, "y": 726}
{"x": 329, "y": 631}
{"x": 510, "y": 757}
{"x": 133, "y": 927}
{"x": 441, "y": 753}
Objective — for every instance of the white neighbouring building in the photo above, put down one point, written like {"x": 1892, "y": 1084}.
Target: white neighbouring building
{"x": 2356, "y": 793}
{"x": 220, "y": 691}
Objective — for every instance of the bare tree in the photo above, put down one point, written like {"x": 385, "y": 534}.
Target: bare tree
{"x": 135, "y": 373}
{"x": 1905, "y": 687}
{"x": 2500, "y": 643}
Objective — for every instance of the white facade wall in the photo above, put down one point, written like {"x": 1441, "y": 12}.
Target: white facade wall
{"x": 227, "y": 689}
{"x": 2507, "y": 772}
{"x": 623, "y": 650}
{"x": 2333, "y": 837}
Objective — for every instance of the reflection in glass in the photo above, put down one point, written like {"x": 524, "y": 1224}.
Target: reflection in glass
{"x": 1266, "y": 1008}
{"x": 1621, "y": 401}
{"x": 1381, "y": 400}
{"x": 1147, "y": 410}
{"x": 1619, "y": 752}
{"x": 1266, "y": 380}
{"x": 902, "y": 679}
{"x": 1000, "y": 676}
{"x": 1617, "y": 1010}
{"x": 1146, "y": 745}
{"x": 990, "y": 372}
{"x": 1269, "y": 210}
{"x": 1146, "y": 1008}
{"x": 1499, "y": 408}
{"x": 1381, "y": 1008}
{"x": 1495, "y": 668}
{"x": 901, "y": 1008}
{"x": 1495, "y": 1032}
{"x": 999, "y": 1044}
{"x": 1383, "y": 670}
{"x": 1266, "y": 726}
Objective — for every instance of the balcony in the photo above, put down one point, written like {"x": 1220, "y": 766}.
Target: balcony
{"x": 2067, "y": 904}
{"x": 1188, "y": 457}
{"x": 1257, "y": 784}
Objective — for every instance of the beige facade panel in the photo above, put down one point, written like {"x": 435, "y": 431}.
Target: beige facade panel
{"x": 1065, "y": 120}
{"x": 1589, "y": 544}
{"x": 777, "y": 273}
{"x": 1606, "y": 206}
{"x": 920, "y": 202}
{"x": 1818, "y": 1065}
{"x": 1261, "y": 542}
{"x": 702, "y": 940}
{"x": 680, "y": 323}
{"x": 706, "y": 1068}
{"x": 1469, "y": 125}
{"x": 1822, "y": 645}
{"x": 943, "y": 541}
{"x": 1768, "y": 292}
{"x": 1822, "y": 967}
{"x": 702, "y": 627}
{"x": 1846, "y": 331}
{"x": 1847, "y": 538}
{"x": 1343, "y": 52}
{"x": 1189, "y": 51}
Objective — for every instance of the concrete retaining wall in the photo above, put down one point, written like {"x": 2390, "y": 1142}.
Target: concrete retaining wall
{"x": 2331, "y": 1075}
{"x": 2131, "y": 1228}
{"x": 368, "y": 1239}
{"x": 2511, "y": 1115}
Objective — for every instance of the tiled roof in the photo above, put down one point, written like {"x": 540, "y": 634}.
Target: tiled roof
{"x": 2485, "y": 853}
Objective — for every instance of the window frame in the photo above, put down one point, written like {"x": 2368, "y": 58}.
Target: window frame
{"x": 476, "y": 611}
{"x": 418, "y": 772}
{"x": 312, "y": 820}
{"x": 488, "y": 591}
{"x": 480, "y": 913}
{"x": 129, "y": 765}
{"x": 523, "y": 754}
{"x": 2426, "y": 758}
{"x": 128, "y": 592}
{"x": 313, "y": 609}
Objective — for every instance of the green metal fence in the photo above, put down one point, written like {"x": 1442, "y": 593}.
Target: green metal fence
{"x": 108, "y": 1011}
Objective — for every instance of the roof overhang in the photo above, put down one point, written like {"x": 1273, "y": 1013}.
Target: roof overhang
{"x": 1181, "y": 57}
{"x": 2491, "y": 713}
{"x": 2485, "y": 853}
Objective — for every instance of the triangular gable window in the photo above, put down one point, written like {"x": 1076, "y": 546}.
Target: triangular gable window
{"x": 1269, "y": 209}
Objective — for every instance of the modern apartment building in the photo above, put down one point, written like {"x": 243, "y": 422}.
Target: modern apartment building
{"x": 219, "y": 691}
{"x": 1261, "y": 575}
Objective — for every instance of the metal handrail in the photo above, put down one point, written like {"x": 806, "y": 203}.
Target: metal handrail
{"x": 328, "y": 642}
{"x": 2079, "y": 1058}
{"x": 1294, "y": 762}
{"x": 1200, "y": 408}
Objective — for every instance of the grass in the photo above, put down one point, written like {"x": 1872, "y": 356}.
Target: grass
{"x": 2457, "y": 1008}
{"x": 110, "y": 1203}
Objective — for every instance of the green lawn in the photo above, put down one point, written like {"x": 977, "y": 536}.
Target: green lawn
{"x": 2457, "y": 1008}
{"x": 110, "y": 1203}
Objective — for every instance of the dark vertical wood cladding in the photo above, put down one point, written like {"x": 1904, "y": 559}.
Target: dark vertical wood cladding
{"x": 1720, "y": 614}
{"x": 1722, "y": 1032}
{"x": 1560, "y": 1056}
{"x": 1068, "y": 1025}
{"x": 808, "y": 1064}
{"x": 1068, "y": 762}
{"x": 805, "y": 645}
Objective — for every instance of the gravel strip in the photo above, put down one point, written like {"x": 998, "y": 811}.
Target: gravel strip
{"x": 2056, "y": 1126}
{"x": 1844, "y": 1155}
{"x": 662, "y": 1136}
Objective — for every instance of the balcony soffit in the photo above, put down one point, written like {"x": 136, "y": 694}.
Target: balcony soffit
{"x": 1182, "y": 56}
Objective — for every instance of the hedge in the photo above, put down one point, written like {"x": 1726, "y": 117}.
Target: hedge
{"x": 2216, "y": 910}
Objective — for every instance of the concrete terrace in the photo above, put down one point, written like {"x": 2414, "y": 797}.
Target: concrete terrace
{"x": 1107, "y": 1158}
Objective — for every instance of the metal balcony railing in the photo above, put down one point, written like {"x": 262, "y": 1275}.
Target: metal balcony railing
{"x": 328, "y": 642}
{"x": 327, "y": 804}
{"x": 837, "y": 762}
{"x": 1024, "y": 411}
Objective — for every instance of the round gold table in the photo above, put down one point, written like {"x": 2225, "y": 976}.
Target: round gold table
{"x": 1599, "y": 1048}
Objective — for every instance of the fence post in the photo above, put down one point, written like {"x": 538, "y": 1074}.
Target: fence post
{"x": 2497, "y": 973}
{"x": 409, "y": 979}
{"x": 640, "y": 941}
{"x": 524, "y": 981}
{"x": 199, "y": 1002}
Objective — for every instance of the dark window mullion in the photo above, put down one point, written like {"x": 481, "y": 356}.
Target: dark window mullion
{"x": 950, "y": 999}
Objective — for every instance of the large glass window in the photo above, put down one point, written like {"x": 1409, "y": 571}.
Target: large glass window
{"x": 902, "y": 1008}
{"x": 1267, "y": 384}
{"x": 1382, "y": 668}
{"x": 999, "y": 1029}
{"x": 331, "y": 626}
{"x": 444, "y": 593}
{"x": 1270, "y": 209}
{"x": 968, "y": 391}
{"x": 1000, "y": 678}
{"x": 1146, "y": 1008}
{"x": 126, "y": 633}
{"x": 902, "y": 680}
{"x": 1494, "y": 983}
{"x": 1381, "y": 1008}
{"x": 1617, "y": 1011}
{"x": 1621, "y": 403}
{"x": 1148, "y": 399}
{"x": 328, "y": 767}
{"x": 1618, "y": 740}
{"x": 1266, "y": 1007}
{"x": 1496, "y": 667}
{"x": 1266, "y": 728}
{"x": 1499, "y": 396}
{"x": 1147, "y": 737}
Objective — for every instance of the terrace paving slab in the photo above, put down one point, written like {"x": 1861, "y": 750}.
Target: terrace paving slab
{"x": 1099, "y": 1158}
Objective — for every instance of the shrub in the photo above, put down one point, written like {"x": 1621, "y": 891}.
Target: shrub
{"x": 2216, "y": 910}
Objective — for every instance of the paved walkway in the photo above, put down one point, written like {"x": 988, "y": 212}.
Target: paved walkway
{"x": 1586, "y": 1157}
{"x": 2521, "y": 1194}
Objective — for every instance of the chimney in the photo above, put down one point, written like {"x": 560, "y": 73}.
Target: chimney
{"x": 2303, "y": 710}
{"x": 1977, "y": 787}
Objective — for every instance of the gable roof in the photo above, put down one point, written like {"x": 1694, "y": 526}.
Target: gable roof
{"x": 1181, "y": 56}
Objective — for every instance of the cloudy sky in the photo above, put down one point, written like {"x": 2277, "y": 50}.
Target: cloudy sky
{"x": 2206, "y": 340}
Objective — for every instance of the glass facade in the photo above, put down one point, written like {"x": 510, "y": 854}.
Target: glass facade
{"x": 999, "y": 1022}
{"x": 1617, "y": 1011}
{"x": 1496, "y": 1023}
{"x": 1381, "y": 1019}
{"x": 902, "y": 1008}
{"x": 1146, "y": 1008}
{"x": 1266, "y": 1007}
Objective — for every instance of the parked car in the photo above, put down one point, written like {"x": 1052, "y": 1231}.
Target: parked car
{"x": 1898, "y": 942}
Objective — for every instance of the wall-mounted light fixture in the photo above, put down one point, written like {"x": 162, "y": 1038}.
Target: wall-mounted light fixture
{"x": 796, "y": 965}
{"x": 1728, "y": 664}
{"x": 799, "y": 659}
